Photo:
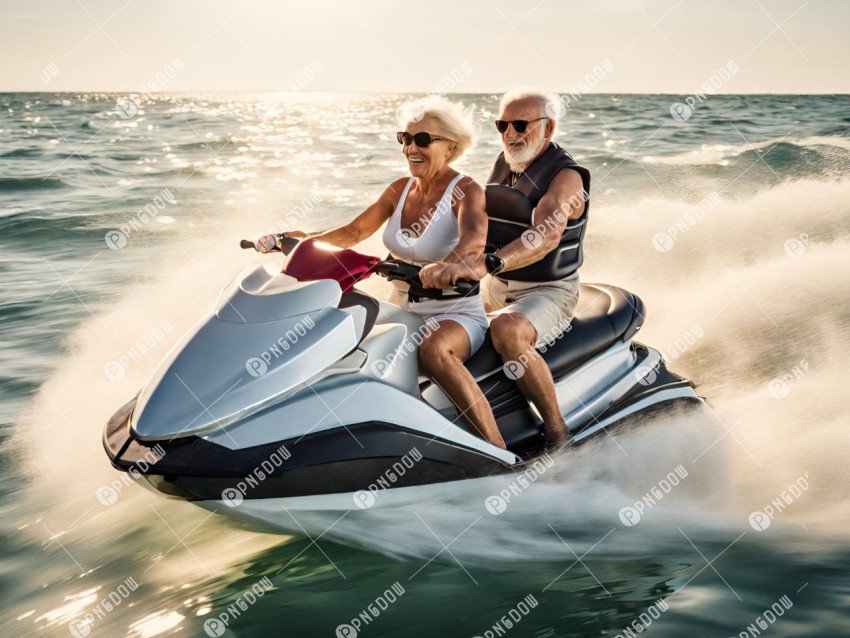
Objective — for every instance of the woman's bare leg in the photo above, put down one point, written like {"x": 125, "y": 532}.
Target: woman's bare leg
{"x": 441, "y": 357}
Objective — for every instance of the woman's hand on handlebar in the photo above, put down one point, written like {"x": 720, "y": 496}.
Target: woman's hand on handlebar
{"x": 272, "y": 243}
{"x": 441, "y": 275}
{"x": 266, "y": 244}
{"x": 444, "y": 275}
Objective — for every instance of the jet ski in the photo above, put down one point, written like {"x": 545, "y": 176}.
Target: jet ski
{"x": 298, "y": 391}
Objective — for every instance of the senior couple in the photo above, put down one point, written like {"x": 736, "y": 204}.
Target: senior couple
{"x": 437, "y": 218}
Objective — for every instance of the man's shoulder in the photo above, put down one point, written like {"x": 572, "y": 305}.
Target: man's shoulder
{"x": 565, "y": 161}
{"x": 567, "y": 186}
{"x": 567, "y": 176}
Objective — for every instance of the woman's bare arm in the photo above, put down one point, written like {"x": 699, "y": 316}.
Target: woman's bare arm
{"x": 365, "y": 224}
{"x": 472, "y": 228}
{"x": 471, "y": 223}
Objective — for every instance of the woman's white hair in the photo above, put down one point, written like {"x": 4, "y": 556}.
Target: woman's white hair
{"x": 551, "y": 104}
{"x": 455, "y": 120}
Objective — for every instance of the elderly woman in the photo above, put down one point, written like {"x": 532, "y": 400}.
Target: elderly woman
{"x": 434, "y": 218}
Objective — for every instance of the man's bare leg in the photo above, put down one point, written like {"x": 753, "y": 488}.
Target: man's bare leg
{"x": 514, "y": 337}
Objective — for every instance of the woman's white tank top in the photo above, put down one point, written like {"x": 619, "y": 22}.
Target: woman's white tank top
{"x": 435, "y": 241}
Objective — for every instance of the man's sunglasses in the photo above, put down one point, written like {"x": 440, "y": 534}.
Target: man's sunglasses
{"x": 422, "y": 139}
{"x": 519, "y": 125}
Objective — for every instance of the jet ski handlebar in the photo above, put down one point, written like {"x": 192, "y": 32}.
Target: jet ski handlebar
{"x": 286, "y": 242}
{"x": 394, "y": 269}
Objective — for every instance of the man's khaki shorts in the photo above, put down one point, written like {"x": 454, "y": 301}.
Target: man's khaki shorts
{"x": 549, "y": 306}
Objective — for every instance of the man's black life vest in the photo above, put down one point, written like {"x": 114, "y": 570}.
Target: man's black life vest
{"x": 511, "y": 199}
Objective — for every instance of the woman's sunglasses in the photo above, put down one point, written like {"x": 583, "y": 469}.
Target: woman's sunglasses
{"x": 422, "y": 139}
{"x": 519, "y": 125}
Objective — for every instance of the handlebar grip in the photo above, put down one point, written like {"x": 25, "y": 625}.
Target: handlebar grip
{"x": 287, "y": 243}
{"x": 462, "y": 286}
{"x": 465, "y": 286}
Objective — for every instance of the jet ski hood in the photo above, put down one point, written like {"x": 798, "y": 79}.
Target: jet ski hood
{"x": 267, "y": 335}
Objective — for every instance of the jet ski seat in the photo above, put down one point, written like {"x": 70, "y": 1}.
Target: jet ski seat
{"x": 605, "y": 315}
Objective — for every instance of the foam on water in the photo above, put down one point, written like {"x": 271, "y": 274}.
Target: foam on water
{"x": 743, "y": 293}
{"x": 729, "y": 274}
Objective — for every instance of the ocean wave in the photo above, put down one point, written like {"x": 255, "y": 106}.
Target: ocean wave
{"x": 722, "y": 154}
{"x": 30, "y": 183}
{"x": 213, "y": 144}
{"x": 22, "y": 152}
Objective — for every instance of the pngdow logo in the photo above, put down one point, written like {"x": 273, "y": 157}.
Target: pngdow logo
{"x": 258, "y": 366}
{"x": 128, "y": 107}
{"x": 269, "y": 108}
{"x": 497, "y": 503}
{"x": 760, "y": 520}
{"x": 682, "y": 111}
{"x": 630, "y": 515}
{"x": 534, "y": 236}
{"x": 300, "y": 211}
{"x": 647, "y": 374}
{"x": 796, "y": 246}
{"x": 515, "y": 368}
{"x": 381, "y": 367}
{"x": 512, "y": 618}
{"x": 116, "y": 369}
{"x": 364, "y": 499}
{"x": 558, "y": 109}
{"x": 780, "y": 387}
{"x": 233, "y": 496}
{"x": 108, "y": 494}
{"x": 371, "y": 612}
{"x": 117, "y": 238}
{"x": 81, "y": 627}
{"x": 217, "y": 625}
{"x": 688, "y": 339}
{"x": 766, "y": 618}
{"x": 408, "y": 237}
{"x": 644, "y": 619}
{"x": 663, "y": 241}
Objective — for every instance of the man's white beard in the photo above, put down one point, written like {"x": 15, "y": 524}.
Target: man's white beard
{"x": 520, "y": 160}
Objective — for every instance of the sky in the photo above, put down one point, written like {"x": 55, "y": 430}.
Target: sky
{"x": 455, "y": 46}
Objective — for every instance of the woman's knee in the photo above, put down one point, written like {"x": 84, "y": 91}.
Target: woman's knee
{"x": 434, "y": 354}
{"x": 441, "y": 350}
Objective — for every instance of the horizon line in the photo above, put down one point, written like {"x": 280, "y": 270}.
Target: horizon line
{"x": 398, "y": 92}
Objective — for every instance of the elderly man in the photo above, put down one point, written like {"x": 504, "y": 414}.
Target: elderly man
{"x": 533, "y": 257}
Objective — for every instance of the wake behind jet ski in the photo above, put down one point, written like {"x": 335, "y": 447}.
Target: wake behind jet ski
{"x": 306, "y": 390}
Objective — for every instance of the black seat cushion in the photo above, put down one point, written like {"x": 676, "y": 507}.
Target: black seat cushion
{"x": 605, "y": 314}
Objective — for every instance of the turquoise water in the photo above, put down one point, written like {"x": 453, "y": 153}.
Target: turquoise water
{"x": 732, "y": 226}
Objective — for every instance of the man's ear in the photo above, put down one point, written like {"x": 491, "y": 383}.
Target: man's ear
{"x": 550, "y": 128}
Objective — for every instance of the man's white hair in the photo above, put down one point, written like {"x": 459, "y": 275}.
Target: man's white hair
{"x": 551, "y": 104}
{"x": 455, "y": 120}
